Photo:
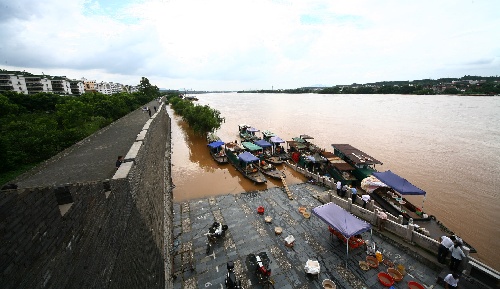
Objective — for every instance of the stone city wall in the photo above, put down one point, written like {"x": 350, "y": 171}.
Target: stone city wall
{"x": 105, "y": 234}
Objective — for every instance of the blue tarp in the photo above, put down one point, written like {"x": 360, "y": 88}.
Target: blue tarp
{"x": 276, "y": 139}
{"x": 262, "y": 143}
{"x": 215, "y": 144}
{"x": 247, "y": 157}
{"x": 398, "y": 183}
{"x": 341, "y": 220}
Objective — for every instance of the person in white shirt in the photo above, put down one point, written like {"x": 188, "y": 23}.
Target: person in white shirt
{"x": 451, "y": 281}
{"x": 339, "y": 187}
{"x": 456, "y": 256}
{"x": 365, "y": 198}
{"x": 444, "y": 248}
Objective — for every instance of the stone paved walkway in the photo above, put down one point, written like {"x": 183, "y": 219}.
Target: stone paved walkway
{"x": 92, "y": 159}
{"x": 249, "y": 233}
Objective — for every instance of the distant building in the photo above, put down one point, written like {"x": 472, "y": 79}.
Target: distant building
{"x": 12, "y": 82}
{"x": 104, "y": 88}
{"x": 37, "y": 83}
{"x": 89, "y": 85}
{"x": 60, "y": 85}
{"x": 77, "y": 87}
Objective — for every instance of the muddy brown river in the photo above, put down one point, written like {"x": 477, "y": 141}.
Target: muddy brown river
{"x": 448, "y": 146}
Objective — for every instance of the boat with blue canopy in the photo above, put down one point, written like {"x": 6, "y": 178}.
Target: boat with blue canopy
{"x": 248, "y": 133}
{"x": 217, "y": 152}
{"x": 266, "y": 167}
{"x": 245, "y": 162}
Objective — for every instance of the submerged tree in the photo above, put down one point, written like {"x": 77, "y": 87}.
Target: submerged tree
{"x": 202, "y": 119}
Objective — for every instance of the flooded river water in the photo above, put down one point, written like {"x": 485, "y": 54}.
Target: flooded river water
{"x": 448, "y": 146}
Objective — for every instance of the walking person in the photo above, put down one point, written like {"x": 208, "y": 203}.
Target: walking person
{"x": 451, "y": 281}
{"x": 339, "y": 188}
{"x": 149, "y": 111}
{"x": 444, "y": 248}
{"x": 456, "y": 256}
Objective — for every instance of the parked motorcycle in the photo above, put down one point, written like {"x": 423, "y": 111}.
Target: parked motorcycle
{"x": 216, "y": 231}
{"x": 231, "y": 281}
{"x": 260, "y": 264}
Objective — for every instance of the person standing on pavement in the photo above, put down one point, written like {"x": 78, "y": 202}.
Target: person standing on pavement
{"x": 149, "y": 111}
{"x": 366, "y": 199}
{"x": 456, "y": 256}
{"x": 119, "y": 161}
{"x": 344, "y": 190}
{"x": 444, "y": 248}
{"x": 354, "y": 195}
{"x": 381, "y": 219}
{"x": 451, "y": 281}
{"x": 339, "y": 188}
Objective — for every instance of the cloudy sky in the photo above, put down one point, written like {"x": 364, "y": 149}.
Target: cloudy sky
{"x": 258, "y": 44}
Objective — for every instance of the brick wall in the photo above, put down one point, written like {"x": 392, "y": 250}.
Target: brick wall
{"x": 107, "y": 239}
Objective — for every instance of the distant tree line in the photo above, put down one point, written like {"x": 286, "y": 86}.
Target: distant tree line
{"x": 489, "y": 86}
{"x": 38, "y": 126}
{"x": 202, "y": 119}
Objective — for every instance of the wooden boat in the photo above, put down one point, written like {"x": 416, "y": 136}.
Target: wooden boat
{"x": 212, "y": 137}
{"x": 307, "y": 155}
{"x": 217, "y": 152}
{"x": 277, "y": 152}
{"x": 264, "y": 166}
{"x": 245, "y": 162}
{"x": 247, "y": 133}
{"x": 364, "y": 165}
{"x": 267, "y": 152}
{"x": 339, "y": 169}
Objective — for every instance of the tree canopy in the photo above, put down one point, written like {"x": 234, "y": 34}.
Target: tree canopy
{"x": 202, "y": 119}
{"x": 35, "y": 127}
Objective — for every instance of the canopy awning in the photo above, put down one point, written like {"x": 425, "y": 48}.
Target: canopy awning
{"x": 276, "y": 139}
{"x": 247, "y": 157}
{"x": 341, "y": 220}
{"x": 252, "y": 129}
{"x": 262, "y": 143}
{"x": 401, "y": 185}
{"x": 267, "y": 133}
{"x": 251, "y": 146}
{"x": 215, "y": 144}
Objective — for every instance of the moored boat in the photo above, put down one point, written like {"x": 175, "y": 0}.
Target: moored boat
{"x": 339, "y": 169}
{"x": 245, "y": 162}
{"x": 217, "y": 152}
{"x": 267, "y": 152}
{"x": 266, "y": 167}
{"x": 248, "y": 133}
{"x": 364, "y": 165}
{"x": 212, "y": 137}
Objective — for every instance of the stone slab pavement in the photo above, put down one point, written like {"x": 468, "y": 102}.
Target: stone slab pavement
{"x": 249, "y": 233}
{"x": 92, "y": 159}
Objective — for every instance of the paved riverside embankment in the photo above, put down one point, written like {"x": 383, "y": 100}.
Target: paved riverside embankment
{"x": 249, "y": 233}
{"x": 92, "y": 159}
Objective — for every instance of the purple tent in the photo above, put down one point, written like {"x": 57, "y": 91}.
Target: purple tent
{"x": 247, "y": 157}
{"x": 262, "y": 143}
{"x": 276, "y": 139}
{"x": 215, "y": 144}
{"x": 341, "y": 220}
{"x": 398, "y": 183}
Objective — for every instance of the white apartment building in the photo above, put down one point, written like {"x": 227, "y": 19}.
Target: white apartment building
{"x": 61, "y": 85}
{"x": 104, "y": 88}
{"x": 77, "y": 87}
{"x": 36, "y": 84}
{"x": 13, "y": 82}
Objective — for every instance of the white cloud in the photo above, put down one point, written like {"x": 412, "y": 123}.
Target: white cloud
{"x": 229, "y": 44}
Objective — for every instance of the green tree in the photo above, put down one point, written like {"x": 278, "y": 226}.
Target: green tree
{"x": 151, "y": 91}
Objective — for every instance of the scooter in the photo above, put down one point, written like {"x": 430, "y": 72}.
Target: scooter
{"x": 260, "y": 265}
{"x": 216, "y": 231}
{"x": 231, "y": 281}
